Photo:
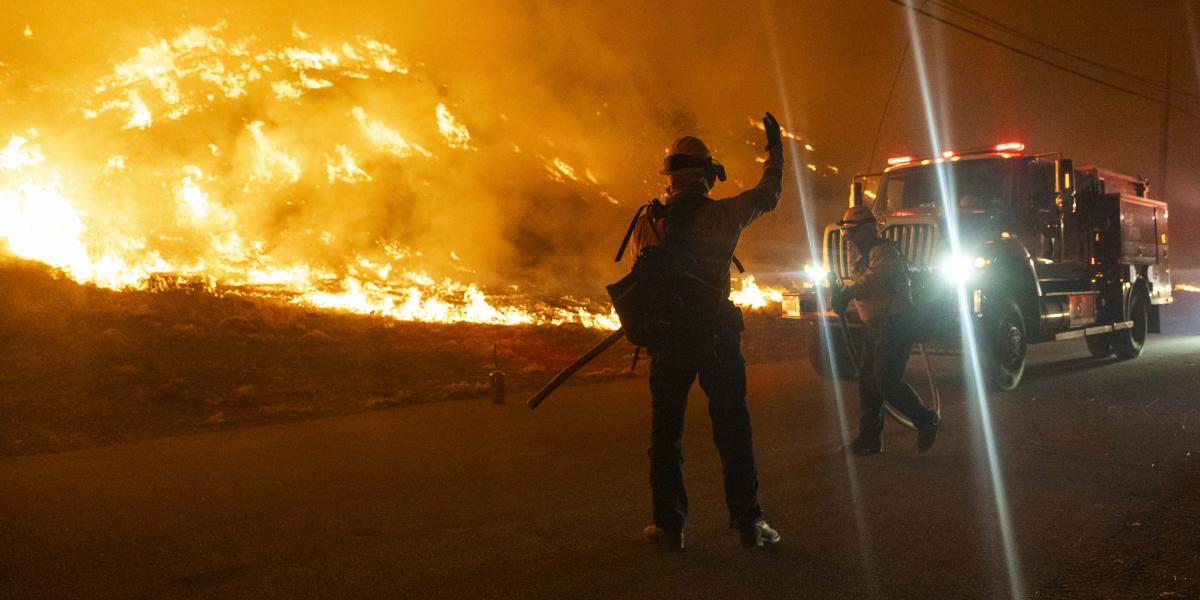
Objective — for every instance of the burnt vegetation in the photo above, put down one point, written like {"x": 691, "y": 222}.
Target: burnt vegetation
{"x": 87, "y": 366}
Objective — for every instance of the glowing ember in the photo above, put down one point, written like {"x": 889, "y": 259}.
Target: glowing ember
{"x": 385, "y": 138}
{"x": 455, "y": 133}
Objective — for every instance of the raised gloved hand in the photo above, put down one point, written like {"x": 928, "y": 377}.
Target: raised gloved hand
{"x": 774, "y": 135}
{"x": 841, "y": 299}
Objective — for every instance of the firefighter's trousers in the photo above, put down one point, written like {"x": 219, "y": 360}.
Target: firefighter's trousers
{"x": 722, "y": 373}
{"x": 889, "y": 343}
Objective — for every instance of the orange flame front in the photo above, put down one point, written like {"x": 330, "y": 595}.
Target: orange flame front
{"x": 217, "y": 210}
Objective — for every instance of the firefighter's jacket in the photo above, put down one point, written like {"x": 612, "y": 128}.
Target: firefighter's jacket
{"x": 714, "y": 228}
{"x": 881, "y": 288}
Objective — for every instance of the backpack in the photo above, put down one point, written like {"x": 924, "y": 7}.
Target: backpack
{"x": 930, "y": 302}
{"x": 662, "y": 298}
{"x": 927, "y": 296}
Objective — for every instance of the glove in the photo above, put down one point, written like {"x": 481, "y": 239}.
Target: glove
{"x": 774, "y": 136}
{"x": 841, "y": 299}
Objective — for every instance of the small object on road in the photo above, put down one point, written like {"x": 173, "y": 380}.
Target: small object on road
{"x": 497, "y": 378}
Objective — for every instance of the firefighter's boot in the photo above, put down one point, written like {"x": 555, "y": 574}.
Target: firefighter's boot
{"x": 928, "y": 433}
{"x": 864, "y": 445}
{"x": 667, "y": 540}
{"x": 758, "y": 534}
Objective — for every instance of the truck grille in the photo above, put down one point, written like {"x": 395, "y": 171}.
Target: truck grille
{"x": 915, "y": 240}
{"x": 837, "y": 253}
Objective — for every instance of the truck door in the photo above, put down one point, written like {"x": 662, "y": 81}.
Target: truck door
{"x": 1076, "y": 227}
{"x": 1059, "y": 235}
{"x": 1043, "y": 222}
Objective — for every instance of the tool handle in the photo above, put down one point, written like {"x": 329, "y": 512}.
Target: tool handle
{"x": 562, "y": 376}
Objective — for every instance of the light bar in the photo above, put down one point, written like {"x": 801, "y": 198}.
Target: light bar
{"x": 1010, "y": 147}
{"x": 899, "y": 160}
{"x": 948, "y": 154}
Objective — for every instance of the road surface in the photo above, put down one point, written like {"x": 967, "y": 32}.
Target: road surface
{"x": 470, "y": 500}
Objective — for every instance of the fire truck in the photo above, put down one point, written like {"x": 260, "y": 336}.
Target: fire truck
{"x": 1046, "y": 251}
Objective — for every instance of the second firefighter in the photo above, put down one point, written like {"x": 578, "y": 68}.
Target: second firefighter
{"x": 882, "y": 293}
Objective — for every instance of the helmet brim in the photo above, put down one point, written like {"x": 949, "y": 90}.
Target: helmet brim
{"x": 847, "y": 225}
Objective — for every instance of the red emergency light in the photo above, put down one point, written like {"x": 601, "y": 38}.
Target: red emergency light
{"x": 948, "y": 154}
{"x": 899, "y": 160}
{"x": 1010, "y": 147}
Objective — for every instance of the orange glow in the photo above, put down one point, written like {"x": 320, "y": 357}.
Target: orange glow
{"x": 324, "y": 170}
{"x": 749, "y": 294}
{"x": 1010, "y": 147}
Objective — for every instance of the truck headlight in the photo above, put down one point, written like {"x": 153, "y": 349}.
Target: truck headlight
{"x": 815, "y": 273}
{"x": 961, "y": 268}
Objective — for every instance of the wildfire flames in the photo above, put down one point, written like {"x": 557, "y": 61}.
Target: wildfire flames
{"x": 267, "y": 152}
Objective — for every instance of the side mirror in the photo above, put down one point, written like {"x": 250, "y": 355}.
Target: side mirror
{"x": 856, "y": 192}
{"x": 1064, "y": 184}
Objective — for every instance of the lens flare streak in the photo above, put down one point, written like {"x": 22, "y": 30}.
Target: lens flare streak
{"x": 971, "y": 355}
{"x": 813, "y": 237}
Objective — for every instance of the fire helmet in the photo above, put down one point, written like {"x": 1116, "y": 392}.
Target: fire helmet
{"x": 690, "y": 153}
{"x": 857, "y": 216}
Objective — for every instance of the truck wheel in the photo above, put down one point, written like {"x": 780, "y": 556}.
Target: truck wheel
{"x": 1004, "y": 345}
{"x": 818, "y": 357}
{"x": 1128, "y": 343}
{"x": 1099, "y": 345}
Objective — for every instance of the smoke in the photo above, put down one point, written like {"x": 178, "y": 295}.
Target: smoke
{"x": 493, "y": 142}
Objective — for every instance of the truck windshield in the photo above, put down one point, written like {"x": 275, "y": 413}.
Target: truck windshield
{"x": 977, "y": 184}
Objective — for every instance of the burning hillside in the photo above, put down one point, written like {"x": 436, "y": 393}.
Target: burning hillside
{"x": 333, "y": 173}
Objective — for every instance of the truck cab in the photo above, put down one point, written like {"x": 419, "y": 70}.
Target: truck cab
{"x": 1045, "y": 252}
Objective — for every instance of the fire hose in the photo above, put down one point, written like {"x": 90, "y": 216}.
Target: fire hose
{"x": 566, "y": 373}
{"x": 852, "y": 352}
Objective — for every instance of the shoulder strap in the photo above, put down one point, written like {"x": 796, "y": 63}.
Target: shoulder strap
{"x": 900, "y": 252}
{"x": 632, "y": 224}
{"x": 737, "y": 263}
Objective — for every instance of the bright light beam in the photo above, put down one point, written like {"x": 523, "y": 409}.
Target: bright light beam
{"x": 812, "y": 234}
{"x": 973, "y": 366}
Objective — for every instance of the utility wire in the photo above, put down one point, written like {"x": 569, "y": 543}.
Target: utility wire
{"x": 970, "y": 13}
{"x": 1040, "y": 59}
{"x": 887, "y": 103}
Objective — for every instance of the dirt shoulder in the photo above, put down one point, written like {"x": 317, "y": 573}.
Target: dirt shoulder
{"x": 88, "y": 367}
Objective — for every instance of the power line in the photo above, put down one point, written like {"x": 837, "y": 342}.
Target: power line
{"x": 970, "y": 13}
{"x": 887, "y": 103}
{"x": 1043, "y": 60}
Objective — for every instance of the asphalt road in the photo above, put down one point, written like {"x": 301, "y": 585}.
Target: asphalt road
{"x": 470, "y": 500}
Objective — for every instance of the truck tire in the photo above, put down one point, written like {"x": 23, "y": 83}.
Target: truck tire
{"x": 1099, "y": 345}
{"x": 1128, "y": 343}
{"x": 818, "y": 357}
{"x": 1004, "y": 345}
